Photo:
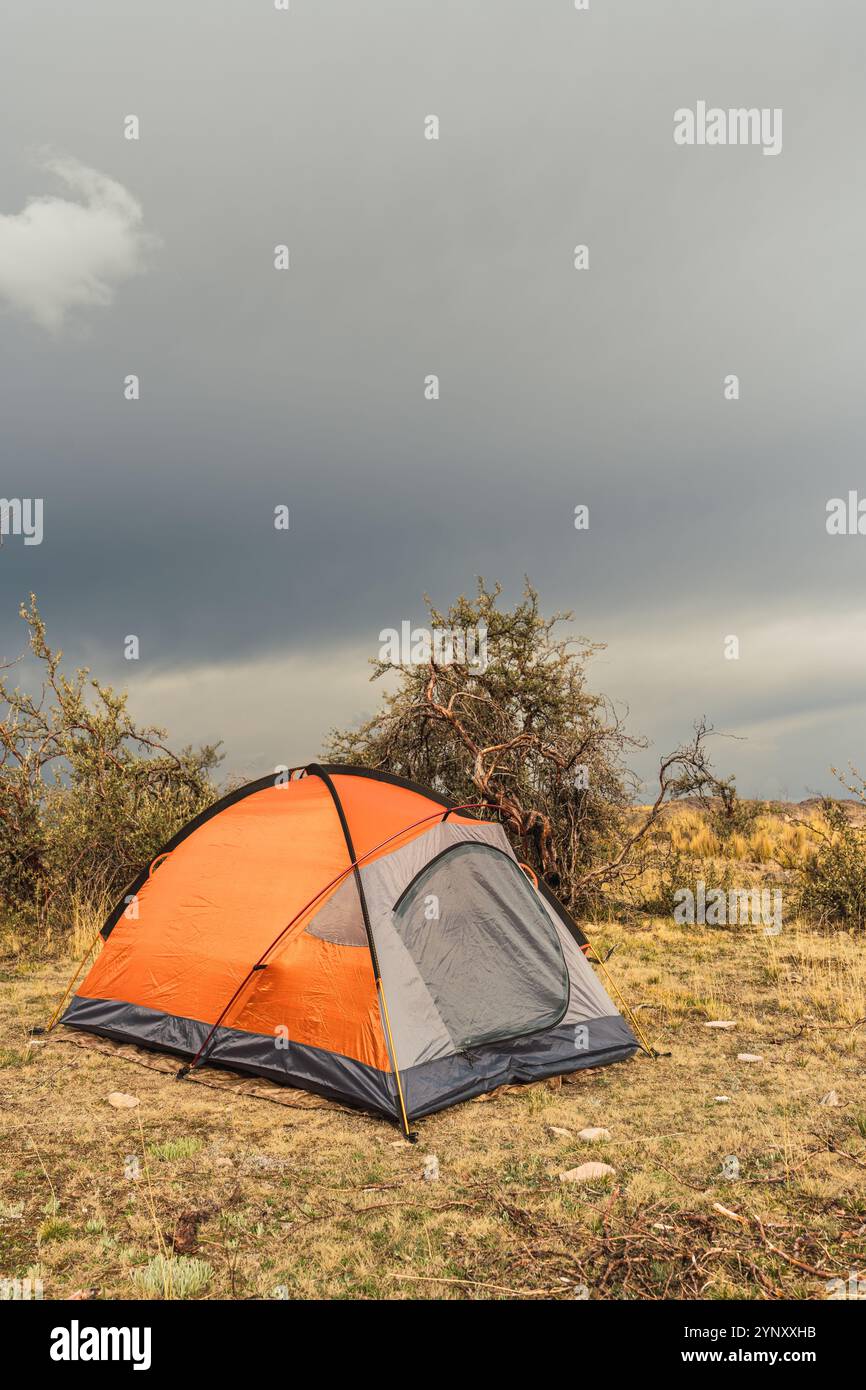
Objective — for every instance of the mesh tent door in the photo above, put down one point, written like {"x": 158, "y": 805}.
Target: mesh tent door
{"x": 484, "y": 946}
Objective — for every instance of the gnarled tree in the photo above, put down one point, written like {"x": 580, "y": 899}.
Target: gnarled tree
{"x": 521, "y": 733}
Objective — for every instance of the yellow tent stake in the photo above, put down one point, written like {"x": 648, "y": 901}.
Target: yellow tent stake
{"x": 393, "y": 1056}
{"x": 56, "y": 1013}
{"x": 629, "y": 1010}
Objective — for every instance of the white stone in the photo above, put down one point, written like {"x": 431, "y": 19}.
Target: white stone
{"x": 121, "y": 1101}
{"x": 588, "y": 1172}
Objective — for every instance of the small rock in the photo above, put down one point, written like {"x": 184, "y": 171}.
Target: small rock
{"x": 731, "y": 1168}
{"x": 721, "y": 1023}
{"x": 121, "y": 1101}
{"x": 431, "y": 1168}
{"x": 749, "y": 1057}
{"x": 831, "y": 1098}
{"x": 560, "y": 1133}
{"x": 594, "y": 1135}
{"x": 588, "y": 1172}
{"x": 722, "y": 1100}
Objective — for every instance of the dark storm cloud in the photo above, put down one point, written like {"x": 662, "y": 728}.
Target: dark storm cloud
{"x": 453, "y": 257}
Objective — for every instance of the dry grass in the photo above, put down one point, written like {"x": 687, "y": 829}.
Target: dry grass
{"x": 240, "y": 1198}
{"x": 766, "y": 846}
{"x": 24, "y": 943}
{"x": 773, "y": 837}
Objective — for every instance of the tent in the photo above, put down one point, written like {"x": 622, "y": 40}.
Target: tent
{"x": 353, "y": 934}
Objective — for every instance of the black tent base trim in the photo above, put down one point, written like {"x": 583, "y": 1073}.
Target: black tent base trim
{"x": 434, "y": 1085}
{"x": 428, "y": 1087}
{"x": 306, "y": 1068}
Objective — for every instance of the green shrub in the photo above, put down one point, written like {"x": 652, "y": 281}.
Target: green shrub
{"x": 831, "y": 881}
{"x": 734, "y": 818}
{"x": 680, "y": 870}
{"x": 87, "y": 797}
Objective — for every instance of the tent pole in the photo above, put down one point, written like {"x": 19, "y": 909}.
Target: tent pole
{"x": 392, "y": 1050}
{"x": 315, "y": 770}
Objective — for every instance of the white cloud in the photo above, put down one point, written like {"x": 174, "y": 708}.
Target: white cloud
{"x": 62, "y": 253}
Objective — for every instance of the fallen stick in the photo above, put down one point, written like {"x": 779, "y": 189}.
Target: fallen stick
{"x": 479, "y": 1284}
{"x": 749, "y": 1221}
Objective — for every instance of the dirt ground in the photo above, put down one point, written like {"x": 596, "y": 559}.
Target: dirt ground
{"x": 209, "y": 1193}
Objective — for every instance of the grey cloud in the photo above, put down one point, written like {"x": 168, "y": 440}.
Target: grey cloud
{"x": 558, "y": 387}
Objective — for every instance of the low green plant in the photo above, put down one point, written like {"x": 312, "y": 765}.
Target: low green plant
{"x": 171, "y": 1149}
{"x": 54, "y": 1229}
{"x": 173, "y": 1276}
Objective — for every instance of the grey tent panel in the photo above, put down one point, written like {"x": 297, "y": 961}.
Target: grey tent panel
{"x": 483, "y": 945}
{"x": 589, "y": 998}
{"x": 341, "y": 921}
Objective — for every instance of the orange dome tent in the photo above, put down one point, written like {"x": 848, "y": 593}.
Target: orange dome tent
{"x": 350, "y": 933}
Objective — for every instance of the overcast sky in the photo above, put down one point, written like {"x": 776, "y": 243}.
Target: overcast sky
{"x": 453, "y": 257}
